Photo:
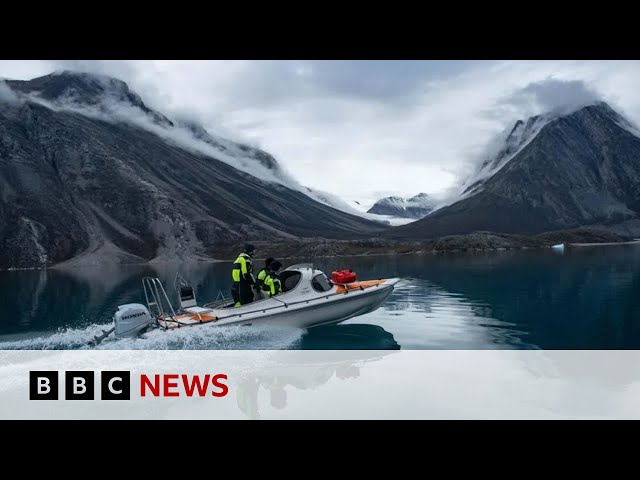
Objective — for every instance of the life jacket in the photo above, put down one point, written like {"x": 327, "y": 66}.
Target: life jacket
{"x": 243, "y": 269}
{"x": 272, "y": 284}
{"x": 262, "y": 274}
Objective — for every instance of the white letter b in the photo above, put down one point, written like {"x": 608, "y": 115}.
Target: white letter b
{"x": 79, "y": 385}
{"x": 43, "y": 385}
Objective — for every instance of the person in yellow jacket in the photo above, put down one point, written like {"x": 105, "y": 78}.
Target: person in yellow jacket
{"x": 272, "y": 285}
{"x": 242, "y": 275}
{"x": 262, "y": 274}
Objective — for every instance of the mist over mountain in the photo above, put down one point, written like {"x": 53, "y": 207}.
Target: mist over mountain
{"x": 554, "y": 172}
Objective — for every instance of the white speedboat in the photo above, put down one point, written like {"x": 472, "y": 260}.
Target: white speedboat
{"x": 308, "y": 299}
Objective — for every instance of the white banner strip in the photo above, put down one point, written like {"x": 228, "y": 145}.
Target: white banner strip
{"x": 327, "y": 384}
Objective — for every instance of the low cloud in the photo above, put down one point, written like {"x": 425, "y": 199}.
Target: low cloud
{"x": 112, "y": 110}
{"x": 6, "y": 94}
{"x": 547, "y": 98}
{"x": 554, "y": 96}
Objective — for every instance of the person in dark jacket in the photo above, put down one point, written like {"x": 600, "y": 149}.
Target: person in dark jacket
{"x": 242, "y": 275}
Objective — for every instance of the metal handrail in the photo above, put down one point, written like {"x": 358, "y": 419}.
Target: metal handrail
{"x": 220, "y": 300}
{"x": 153, "y": 287}
{"x": 180, "y": 281}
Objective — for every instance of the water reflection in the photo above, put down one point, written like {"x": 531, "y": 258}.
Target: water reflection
{"x": 350, "y": 336}
{"x": 271, "y": 389}
{"x": 436, "y": 318}
{"x": 583, "y": 299}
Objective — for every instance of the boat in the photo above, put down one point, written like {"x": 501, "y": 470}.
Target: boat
{"x": 309, "y": 298}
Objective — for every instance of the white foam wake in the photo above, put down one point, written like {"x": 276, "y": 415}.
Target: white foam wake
{"x": 198, "y": 338}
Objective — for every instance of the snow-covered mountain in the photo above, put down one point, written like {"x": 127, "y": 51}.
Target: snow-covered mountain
{"x": 417, "y": 206}
{"x": 555, "y": 172}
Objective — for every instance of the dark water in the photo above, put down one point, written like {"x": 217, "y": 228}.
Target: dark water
{"x": 586, "y": 298}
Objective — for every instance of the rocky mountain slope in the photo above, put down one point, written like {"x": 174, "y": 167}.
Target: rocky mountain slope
{"x": 579, "y": 169}
{"x": 90, "y": 174}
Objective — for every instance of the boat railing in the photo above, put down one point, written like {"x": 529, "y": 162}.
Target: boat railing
{"x": 157, "y": 300}
{"x": 219, "y": 302}
{"x": 180, "y": 281}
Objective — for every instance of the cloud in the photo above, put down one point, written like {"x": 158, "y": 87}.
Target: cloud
{"x": 111, "y": 109}
{"x": 6, "y": 94}
{"x": 554, "y": 96}
{"x": 359, "y": 128}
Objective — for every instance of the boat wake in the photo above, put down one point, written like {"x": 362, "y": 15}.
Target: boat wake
{"x": 218, "y": 338}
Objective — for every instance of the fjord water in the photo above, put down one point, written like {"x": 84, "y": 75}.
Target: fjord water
{"x": 584, "y": 298}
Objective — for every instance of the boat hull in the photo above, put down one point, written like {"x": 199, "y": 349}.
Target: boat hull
{"x": 330, "y": 310}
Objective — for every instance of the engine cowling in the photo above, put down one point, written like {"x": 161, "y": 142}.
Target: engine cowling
{"x": 131, "y": 319}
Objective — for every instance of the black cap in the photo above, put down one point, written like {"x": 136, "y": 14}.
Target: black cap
{"x": 275, "y": 265}
{"x": 248, "y": 247}
{"x": 269, "y": 261}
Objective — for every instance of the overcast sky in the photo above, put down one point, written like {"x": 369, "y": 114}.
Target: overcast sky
{"x": 365, "y": 129}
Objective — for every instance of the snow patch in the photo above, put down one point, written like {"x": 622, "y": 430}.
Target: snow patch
{"x": 334, "y": 201}
{"x": 35, "y": 236}
{"x": 502, "y": 151}
{"x": 415, "y": 207}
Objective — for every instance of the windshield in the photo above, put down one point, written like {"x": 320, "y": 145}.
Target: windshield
{"x": 289, "y": 280}
{"x": 320, "y": 283}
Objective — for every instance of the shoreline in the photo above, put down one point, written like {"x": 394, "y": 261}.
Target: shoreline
{"x": 64, "y": 266}
{"x": 595, "y": 244}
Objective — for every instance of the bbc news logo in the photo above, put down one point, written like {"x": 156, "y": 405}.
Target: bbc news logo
{"x": 80, "y": 385}
{"x": 116, "y": 385}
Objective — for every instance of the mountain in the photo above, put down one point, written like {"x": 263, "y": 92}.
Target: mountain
{"x": 84, "y": 89}
{"x": 417, "y": 206}
{"x": 519, "y": 136}
{"x": 90, "y": 174}
{"x": 573, "y": 170}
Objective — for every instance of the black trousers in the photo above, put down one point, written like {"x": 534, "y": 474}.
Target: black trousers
{"x": 241, "y": 292}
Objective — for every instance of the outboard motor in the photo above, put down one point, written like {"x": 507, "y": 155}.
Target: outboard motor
{"x": 131, "y": 319}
